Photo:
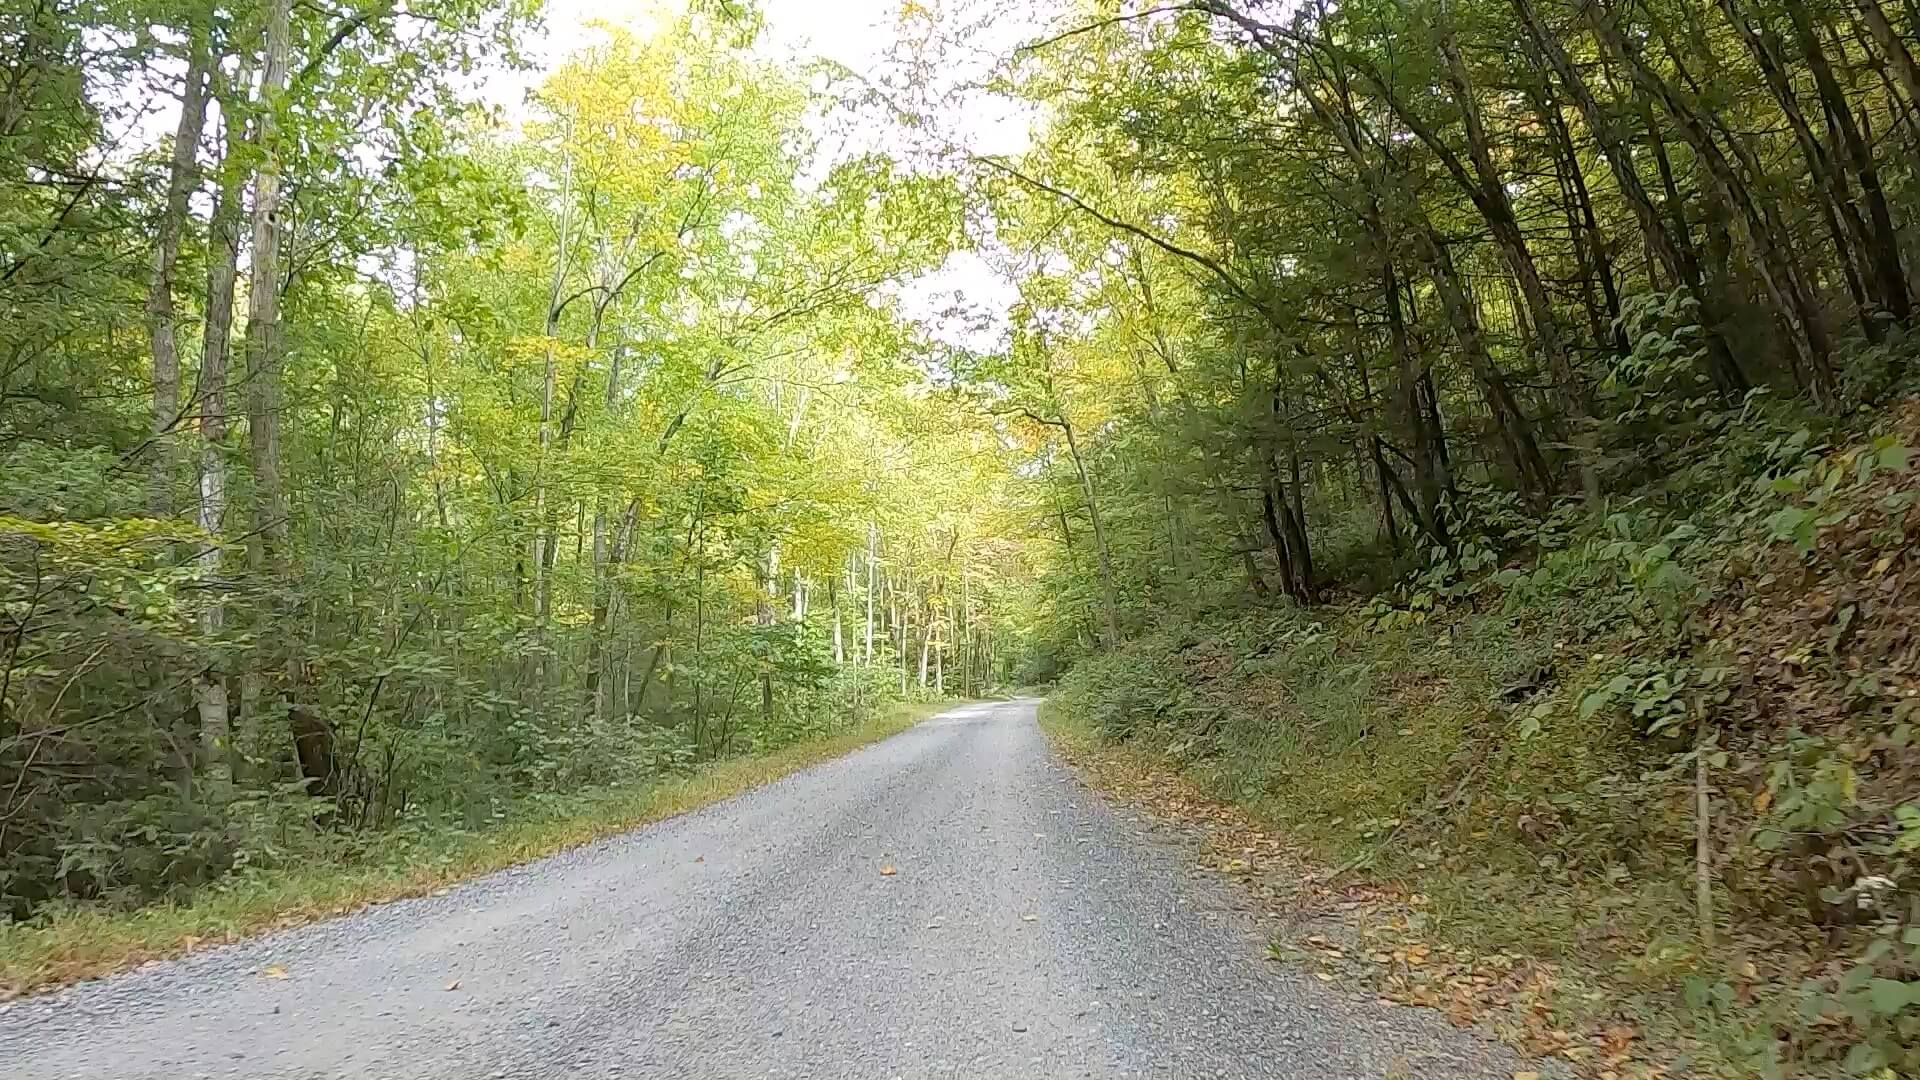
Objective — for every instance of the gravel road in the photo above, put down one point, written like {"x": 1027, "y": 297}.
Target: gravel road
{"x": 1028, "y": 930}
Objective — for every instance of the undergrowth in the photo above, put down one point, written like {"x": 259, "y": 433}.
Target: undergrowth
{"x": 1521, "y": 731}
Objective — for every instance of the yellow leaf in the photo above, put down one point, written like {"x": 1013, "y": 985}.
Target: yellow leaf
{"x": 274, "y": 971}
{"x": 888, "y": 871}
{"x": 1763, "y": 800}
{"x": 454, "y": 985}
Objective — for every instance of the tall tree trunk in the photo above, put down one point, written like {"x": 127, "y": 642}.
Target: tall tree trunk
{"x": 1674, "y": 251}
{"x": 1591, "y": 245}
{"x": 926, "y": 639}
{"x": 1838, "y": 205}
{"x": 1758, "y": 223}
{"x": 899, "y": 631}
{"x": 608, "y": 564}
{"x": 1429, "y": 473}
{"x": 764, "y": 617}
{"x": 1515, "y": 428}
{"x": 276, "y": 643}
{"x": 1488, "y": 191}
{"x": 1108, "y": 592}
{"x": 210, "y": 696}
{"x": 833, "y": 606}
{"x": 873, "y": 541}
{"x": 1893, "y": 47}
{"x": 550, "y": 326}
{"x": 182, "y": 176}
{"x": 1284, "y": 506}
{"x": 1883, "y": 241}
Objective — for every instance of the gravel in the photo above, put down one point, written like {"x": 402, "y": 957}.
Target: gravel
{"x": 1027, "y": 930}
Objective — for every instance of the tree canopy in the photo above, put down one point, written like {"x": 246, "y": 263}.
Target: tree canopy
{"x": 370, "y": 455}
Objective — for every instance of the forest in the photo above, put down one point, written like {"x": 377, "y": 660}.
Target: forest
{"x": 1466, "y": 432}
{"x": 371, "y": 463}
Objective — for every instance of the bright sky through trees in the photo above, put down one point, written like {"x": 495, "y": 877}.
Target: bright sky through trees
{"x": 863, "y": 37}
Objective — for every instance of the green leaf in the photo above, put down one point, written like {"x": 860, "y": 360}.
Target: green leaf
{"x": 1594, "y": 702}
{"x": 1864, "y": 1058}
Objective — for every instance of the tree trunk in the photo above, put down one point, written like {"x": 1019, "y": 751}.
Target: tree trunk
{"x": 607, "y": 565}
{"x": 926, "y": 646}
{"x": 276, "y": 645}
{"x": 1838, "y": 206}
{"x": 1591, "y": 246}
{"x": 1893, "y": 47}
{"x": 833, "y": 606}
{"x": 1673, "y": 251}
{"x": 873, "y": 540}
{"x": 1489, "y": 193}
{"x": 223, "y": 265}
{"x": 1778, "y": 272}
{"x": 1107, "y": 589}
{"x": 542, "y": 582}
{"x": 1882, "y": 243}
{"x": 764, "y": 618}
{"x": 1515, "y": 428}
{"x": 1428, "y": 475}
{"x": 182, "y": 175}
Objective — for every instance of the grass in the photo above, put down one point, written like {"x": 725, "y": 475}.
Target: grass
{"x": 86, "y": 942}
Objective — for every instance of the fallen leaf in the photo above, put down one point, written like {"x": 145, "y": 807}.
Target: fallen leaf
{"x": 1526, "y": 1076}
{"x": 1029, "y": 918}
{"x": 274, "y": 971}
{"x": 454, "y": 985}
{"x": 888, "y": 871}
{"x": 699, "y": 858}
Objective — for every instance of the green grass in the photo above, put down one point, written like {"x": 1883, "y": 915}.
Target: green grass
{"x": 84, "y": 942}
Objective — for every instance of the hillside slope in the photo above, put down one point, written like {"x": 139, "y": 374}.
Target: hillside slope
{"x": 1527, "y": 747}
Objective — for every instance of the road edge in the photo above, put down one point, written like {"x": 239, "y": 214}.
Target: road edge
{"x": 82, "y": 943}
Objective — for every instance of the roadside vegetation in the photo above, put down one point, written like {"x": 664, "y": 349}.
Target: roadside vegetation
{"x": 393, "y": 485}
{"x": 1489, "y": 474}
{"x": 320, "y": 874}
{"x": 1527, "y": 751}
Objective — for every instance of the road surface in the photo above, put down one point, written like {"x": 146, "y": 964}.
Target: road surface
{"x": 1027, "y": 930}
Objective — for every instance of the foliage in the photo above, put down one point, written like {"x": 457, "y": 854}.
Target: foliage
{"x": 1486, "y": 417}
{"x": 572, "y": 452}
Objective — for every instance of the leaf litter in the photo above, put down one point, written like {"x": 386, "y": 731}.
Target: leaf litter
{"x": 1368, "y": 936}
